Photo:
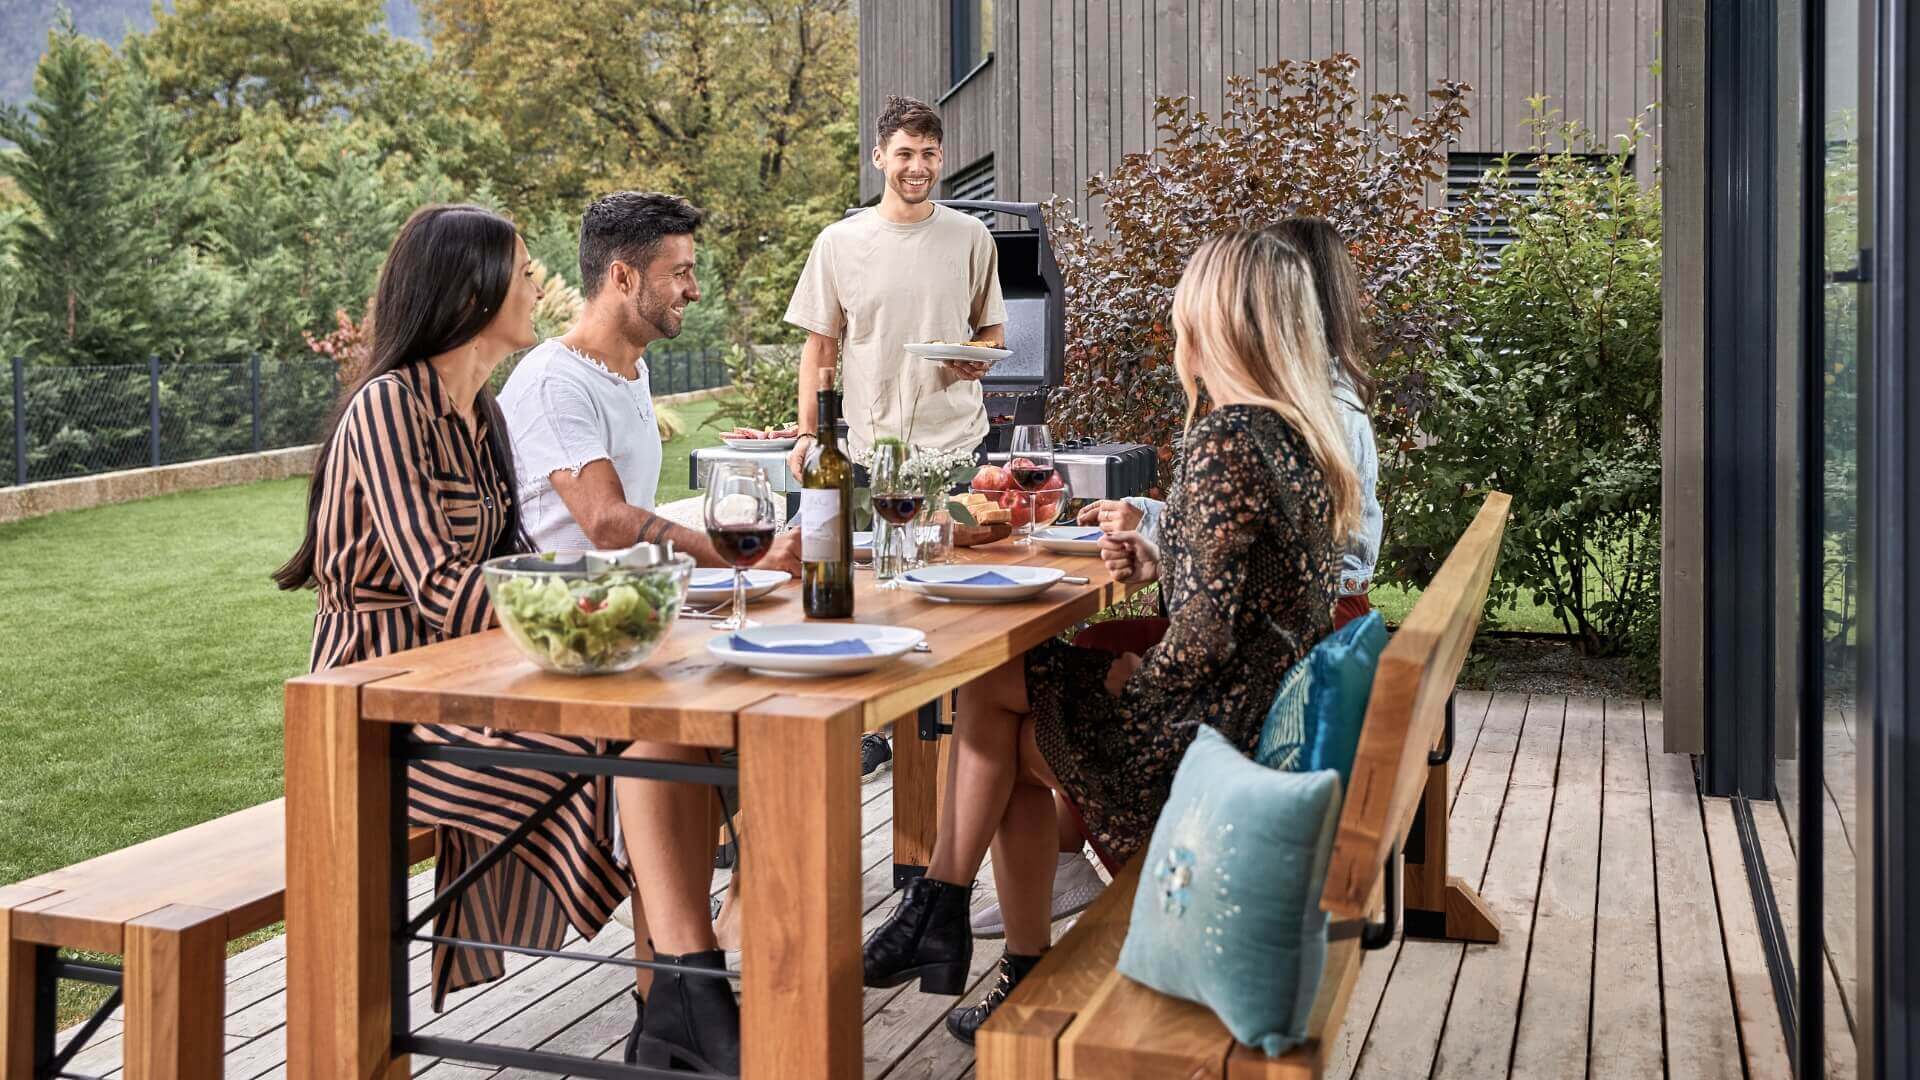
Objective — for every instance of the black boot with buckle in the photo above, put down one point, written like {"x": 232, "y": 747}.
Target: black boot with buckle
{"x": 691, "y": 1021}
{"x": 928, "y": 936}
{"x": 964, "y": 1024}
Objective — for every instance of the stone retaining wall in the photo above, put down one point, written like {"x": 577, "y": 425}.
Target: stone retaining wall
{"x": 82, "y": 492}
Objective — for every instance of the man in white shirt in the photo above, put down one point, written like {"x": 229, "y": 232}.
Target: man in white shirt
{"x": 587, "y": 451}
{"x": 579, "y": 408}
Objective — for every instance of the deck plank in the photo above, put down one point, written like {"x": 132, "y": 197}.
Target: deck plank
{"x": 1552, "y": 1036}
{"x": 1477, "y": 1040}
{"x": 1626, "y": 949}
{"x": 1470, "y": 711}
{"x": 1693, "y": 962}
{"x": 1407, "y": 1026}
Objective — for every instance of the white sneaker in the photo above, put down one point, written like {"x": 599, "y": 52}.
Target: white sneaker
{"x": 1075, "y": 885}
{"x": 624, "y": 913}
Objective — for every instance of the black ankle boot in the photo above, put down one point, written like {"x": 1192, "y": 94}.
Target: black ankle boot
{"x": 927, "y": 936}
{"x": 639, "y": 1020}
{"x": 690, "y": 1021}
{"x": 964, "y": 1024}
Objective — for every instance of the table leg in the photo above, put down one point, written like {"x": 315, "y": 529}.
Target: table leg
{"x": 19, "y": 987}
{"x": 339, "y": 924}
{"x": 916, "y": 786}
{"x": 800, "y": 941}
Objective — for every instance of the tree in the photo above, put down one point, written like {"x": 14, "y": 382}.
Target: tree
{"x": 223, "y": 64}
{"x": 732, "y": 103}
{"x": 103, "y": 273}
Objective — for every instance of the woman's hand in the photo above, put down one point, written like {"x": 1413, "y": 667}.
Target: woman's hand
{"x": 1112, "y": 515}
{"x": 1130, "y": 557}
{"x": 1122, "y": 670}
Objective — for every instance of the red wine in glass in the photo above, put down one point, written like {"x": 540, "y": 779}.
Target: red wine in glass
{"x": 898, "y": 508}
{"x": 1032, "y": 475}
{"x": 741, "y": 545}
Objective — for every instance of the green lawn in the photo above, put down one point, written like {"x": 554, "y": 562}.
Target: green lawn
{"x": 1393, "y": 603}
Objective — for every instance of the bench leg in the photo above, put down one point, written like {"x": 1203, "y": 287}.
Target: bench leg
{"x": 19, "y": 988}
{"x": 917, "y": 776}
{"x": 175, "y": 989}
{"x": 1439, "y": 905}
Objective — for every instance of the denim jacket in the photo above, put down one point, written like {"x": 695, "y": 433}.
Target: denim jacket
{"x": 1363, "y": 547}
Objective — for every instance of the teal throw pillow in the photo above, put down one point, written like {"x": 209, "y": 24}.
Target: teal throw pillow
{"x": 1342, "y": 678}
{"x": 1283, "y": 738}
{"x": 1228, "y": 909}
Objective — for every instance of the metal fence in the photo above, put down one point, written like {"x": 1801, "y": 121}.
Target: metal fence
{"x": 63, "y": 421}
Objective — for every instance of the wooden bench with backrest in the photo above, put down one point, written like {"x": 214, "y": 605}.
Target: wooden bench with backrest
{"x": 168, "y": 907}
{"x": 1075, "y": 1018}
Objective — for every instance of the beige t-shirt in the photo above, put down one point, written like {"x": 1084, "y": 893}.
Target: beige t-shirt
{"x": 877, "y": 286}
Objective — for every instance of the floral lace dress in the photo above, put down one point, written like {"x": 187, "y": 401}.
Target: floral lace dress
{"x": 1248, "y": 580}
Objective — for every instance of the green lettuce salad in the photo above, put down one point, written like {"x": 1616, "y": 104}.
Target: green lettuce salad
{"x": 602, "y": 622}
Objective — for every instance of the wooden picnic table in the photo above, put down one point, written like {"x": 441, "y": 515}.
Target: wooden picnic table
{"x": 799, "y": 776}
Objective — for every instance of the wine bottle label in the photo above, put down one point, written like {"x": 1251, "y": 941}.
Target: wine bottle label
{"x": 822, "y": 521}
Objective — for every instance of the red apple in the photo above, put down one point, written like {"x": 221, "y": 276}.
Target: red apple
{"x": 992, "y": 478}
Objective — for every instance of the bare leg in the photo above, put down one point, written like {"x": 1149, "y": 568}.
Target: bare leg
{"x": 985, "y": 759}
{"x": 669, "y": 834}
{"x": 1024, "y": 858}
{"x": 726, "y": 925}
{"x": 1070, "y": 838}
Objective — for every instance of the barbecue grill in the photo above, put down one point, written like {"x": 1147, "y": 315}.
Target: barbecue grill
{"x": 1016, "y": 388}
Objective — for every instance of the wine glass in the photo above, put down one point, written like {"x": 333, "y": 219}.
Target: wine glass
{"x": 1031, "y": 463}
{"x": 897, "y": 501}
{"x": 741, "y": 523}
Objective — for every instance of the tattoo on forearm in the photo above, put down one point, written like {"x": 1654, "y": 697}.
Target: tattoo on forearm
{"x": 652, "y": 529}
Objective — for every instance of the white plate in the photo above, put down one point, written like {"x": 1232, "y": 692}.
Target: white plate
{"x": 976, "y": 354}
{"x": 1065, "y": 539}
{"x": 713, "y": 586}
{"x": 947, "y": 582}
{"x": 754, "y": 445}
{"x": 886, "y": 643}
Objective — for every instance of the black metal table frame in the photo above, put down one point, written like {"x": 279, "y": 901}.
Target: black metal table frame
{"x": 580, "y": 768}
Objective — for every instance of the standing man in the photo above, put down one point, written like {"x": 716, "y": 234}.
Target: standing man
{"x": 905, "y": 271}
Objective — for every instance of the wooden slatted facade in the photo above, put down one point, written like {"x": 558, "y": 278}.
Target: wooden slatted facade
{"x": 1071, "y": 84}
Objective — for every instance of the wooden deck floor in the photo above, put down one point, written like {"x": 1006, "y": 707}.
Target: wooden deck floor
{"x": 1630, "y": 944}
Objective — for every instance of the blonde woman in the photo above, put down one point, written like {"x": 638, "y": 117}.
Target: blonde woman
{"x": 1247, "y": 577}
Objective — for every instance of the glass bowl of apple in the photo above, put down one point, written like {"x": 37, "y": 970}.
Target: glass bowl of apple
{"x": 1030, "y": 509}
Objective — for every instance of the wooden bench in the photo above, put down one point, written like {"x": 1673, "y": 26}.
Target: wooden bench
{"x": 168, "y": 907}
{"x": 1076, "y": 1018}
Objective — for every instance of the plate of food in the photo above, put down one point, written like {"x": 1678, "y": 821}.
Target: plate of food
{"x": 815, "y": 648}
{"x": 972, "y": 352}
{"x": 754, "y": 439}
{"x": 982, "y": 584}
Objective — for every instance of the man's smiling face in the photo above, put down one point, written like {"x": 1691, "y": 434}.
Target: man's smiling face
{"x": 911, "y": 164}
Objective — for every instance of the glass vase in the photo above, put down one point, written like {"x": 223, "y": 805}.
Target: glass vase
{"x": 936, "y": 535}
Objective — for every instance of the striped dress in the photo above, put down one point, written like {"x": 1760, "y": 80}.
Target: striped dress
{"x": 412, "y": 502}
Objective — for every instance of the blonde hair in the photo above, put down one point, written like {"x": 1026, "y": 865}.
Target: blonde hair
{"x": 1247, "y": 307}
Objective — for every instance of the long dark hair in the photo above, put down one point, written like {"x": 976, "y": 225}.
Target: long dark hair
{"x": 1337, "y": 283}
{"x": 442, "y": 283}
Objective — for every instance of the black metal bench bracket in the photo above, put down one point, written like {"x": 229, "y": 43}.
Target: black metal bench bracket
{"x": 1436, "y": 758}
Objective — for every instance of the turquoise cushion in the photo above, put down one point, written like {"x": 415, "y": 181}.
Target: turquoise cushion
{"x": 1283, "y": 738}
{"x": 1342, "y": 677}
{"x": 1228, "y": 909}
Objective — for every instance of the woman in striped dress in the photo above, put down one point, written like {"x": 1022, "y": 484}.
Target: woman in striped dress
{"x": 413, "y": 489}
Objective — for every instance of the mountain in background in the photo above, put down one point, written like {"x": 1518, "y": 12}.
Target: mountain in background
{"x": 24, "y": 25}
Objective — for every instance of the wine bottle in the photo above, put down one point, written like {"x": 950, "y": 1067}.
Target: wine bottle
{"x": 826, "y": 521}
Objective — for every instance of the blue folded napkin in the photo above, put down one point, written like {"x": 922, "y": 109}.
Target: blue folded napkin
{"x": 985, "y": 577}
{"x": 710, "y": 579}
{"x": 843, "y": 647}
{"x": 1094, "y": 535}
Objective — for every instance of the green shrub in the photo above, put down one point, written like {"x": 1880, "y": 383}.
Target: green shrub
{"x": 1553, "y": 396}
{"x": 766, "y": 388}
